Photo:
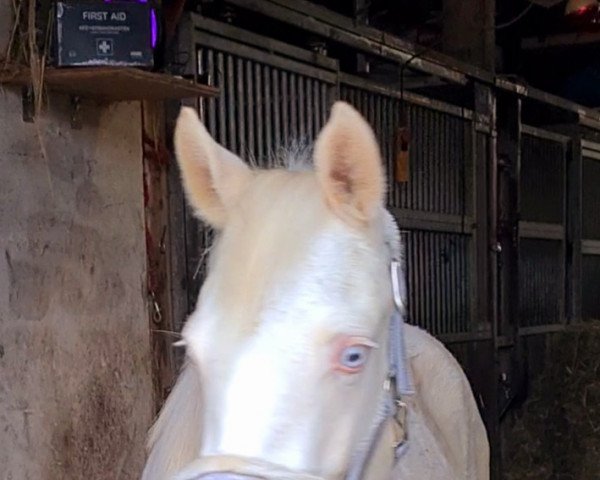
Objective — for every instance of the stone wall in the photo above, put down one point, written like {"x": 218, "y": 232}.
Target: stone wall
{"x": 555, "y": 434}
{"x": 75, "y": 381}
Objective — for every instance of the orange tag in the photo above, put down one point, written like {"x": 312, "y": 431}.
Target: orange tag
{"x": 402, "y": 154}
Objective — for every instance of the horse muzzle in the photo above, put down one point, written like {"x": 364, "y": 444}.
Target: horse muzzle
{"x": 228, "y": 467}
{"x": 226, "y": 476}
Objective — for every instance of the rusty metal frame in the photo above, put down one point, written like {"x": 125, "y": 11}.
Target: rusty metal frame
{"x": 550, "y": 231}
{"x": 213, "y": 34}
{"x": 267, "y": 44}
{"x": 421, "y": 219}
{"x": 492, "y": 126}
{"x": 588, "y": 247}
{"x": 341, "y": 29}
{"x": 409, "y": 97}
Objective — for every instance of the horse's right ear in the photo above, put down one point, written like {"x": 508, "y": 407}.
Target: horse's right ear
{"x": 212, "y": 176}
{"x": 349, "y": 166}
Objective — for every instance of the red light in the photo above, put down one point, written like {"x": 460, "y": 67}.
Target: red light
{"x": 584, "y": 18}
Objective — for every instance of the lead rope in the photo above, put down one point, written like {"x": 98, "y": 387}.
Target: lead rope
{"x": 398, "y": 383}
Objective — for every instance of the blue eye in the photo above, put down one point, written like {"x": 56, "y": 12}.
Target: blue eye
{"x": 350, "y": 353}
{"x": 354, "y": 356}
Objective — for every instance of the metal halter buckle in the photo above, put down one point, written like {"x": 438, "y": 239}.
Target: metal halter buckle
{"x": 400, "y": 417}
{"x": 397, "y": 289}
{"x": 399, "y": 414}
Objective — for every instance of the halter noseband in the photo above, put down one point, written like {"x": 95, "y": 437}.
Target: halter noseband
{"x": 397, "y": 384}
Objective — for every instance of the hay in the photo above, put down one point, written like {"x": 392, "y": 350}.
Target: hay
{"x": 23, "y": 51}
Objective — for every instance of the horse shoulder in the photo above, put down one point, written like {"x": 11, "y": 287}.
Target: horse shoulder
{"x": 446, "y": 406}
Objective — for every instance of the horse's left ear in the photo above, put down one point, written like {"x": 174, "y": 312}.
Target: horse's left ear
{"x": 212, "y": 176}
{"x": 348, "y": 165}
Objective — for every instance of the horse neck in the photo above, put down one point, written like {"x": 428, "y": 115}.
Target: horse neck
{"x": 381, "y": 463}
{"x": 175, "y": 437}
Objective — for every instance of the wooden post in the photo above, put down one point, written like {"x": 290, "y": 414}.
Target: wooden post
{"x": 574, "y": 233}
{"x": 482, "y": 362}
{"x": 509, "y": 166}
{"x": 361, "y": 17}
{"x": 510, "y": 354}
{"x": 156, "y": 160}
{"x": 468, "y": 31}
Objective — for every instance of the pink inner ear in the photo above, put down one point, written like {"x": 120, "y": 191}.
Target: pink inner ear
{"x": 342, "y": 178}
{"x": 349, "y": 165}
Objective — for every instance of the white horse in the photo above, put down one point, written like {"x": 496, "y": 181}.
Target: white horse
{"x": 287, "y": 350}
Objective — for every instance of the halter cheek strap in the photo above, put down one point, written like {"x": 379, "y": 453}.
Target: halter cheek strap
{"x": 397, "y": 349}
{"x": 397, "y": 385}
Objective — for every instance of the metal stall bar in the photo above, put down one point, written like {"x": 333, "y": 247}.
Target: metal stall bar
{"x": 590, "y": 230}
{"x": 542, "y": 232}
{"x": 267, "y": 100}
{"x": 434, "y": 206}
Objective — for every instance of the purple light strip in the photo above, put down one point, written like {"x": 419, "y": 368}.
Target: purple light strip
{"x": 153, "y": 27}
{"x": 153, "y": 22}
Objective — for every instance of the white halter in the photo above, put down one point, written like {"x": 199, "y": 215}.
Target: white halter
{"x": 397, "y": 384}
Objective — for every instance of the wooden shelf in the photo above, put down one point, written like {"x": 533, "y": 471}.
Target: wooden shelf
{"x": 111, "y": 83}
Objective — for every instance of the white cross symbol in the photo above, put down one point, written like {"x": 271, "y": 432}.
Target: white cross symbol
{"x": 104, "y": 46}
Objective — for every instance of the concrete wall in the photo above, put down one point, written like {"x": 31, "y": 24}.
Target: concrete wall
{"x": 75, "y": 381}
{"x": 555, "y": 434}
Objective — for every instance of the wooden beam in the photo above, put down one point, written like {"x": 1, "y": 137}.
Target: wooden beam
{"x": 560, "y": 41}
{"x": 111, "y": 83}
{"x": 343, "y": 30}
